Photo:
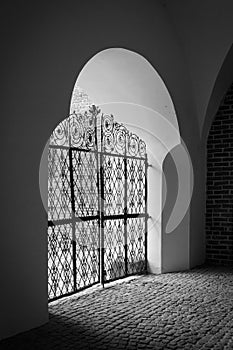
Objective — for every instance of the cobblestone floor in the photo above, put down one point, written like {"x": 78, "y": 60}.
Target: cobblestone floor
{"x": 187, "y": 310}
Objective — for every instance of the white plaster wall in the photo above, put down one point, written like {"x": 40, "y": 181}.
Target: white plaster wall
{"x": 120, "y": 75}
{"x": 176, "y": 242}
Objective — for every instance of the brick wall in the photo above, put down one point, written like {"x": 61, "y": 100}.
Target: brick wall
{"x": 219, "y": 186}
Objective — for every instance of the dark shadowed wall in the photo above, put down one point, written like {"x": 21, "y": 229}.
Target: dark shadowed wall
{"x": 219, "y": 185}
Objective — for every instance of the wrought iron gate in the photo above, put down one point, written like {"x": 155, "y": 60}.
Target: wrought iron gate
{"x": 97, "y": 207}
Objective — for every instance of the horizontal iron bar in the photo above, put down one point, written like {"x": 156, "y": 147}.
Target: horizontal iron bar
{"x": 87, "y": 218}
{"x": 123, "y": 216}
{"x": 73, "y": 148}
{"x": 69, "y": 221}
{"x": 83, "y": 149}
{"x": 95, "y": 217}
{"x": 96, "y": 151}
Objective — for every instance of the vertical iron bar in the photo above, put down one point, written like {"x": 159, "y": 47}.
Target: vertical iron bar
{"x": 146, "y": 210}
{"x": 73, "y": 219}
{"x": 102, "y": 270}
{"x": 125, "y": 207}
{"x": 99, "y": 196}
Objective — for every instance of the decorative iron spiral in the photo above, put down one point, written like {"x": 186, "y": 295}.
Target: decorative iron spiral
{"x": 76, "y": 130}
{"x": 133, "y": 145}
{"x": 90, "y": 120}
{"x": 90, "y": 138}
{"x": 60, "y": 134}
{"x": 120, "y": 138}
{"x": 109, "y": 142}
{"x": 107, "y": 123}
{"x": 142, "y": 148}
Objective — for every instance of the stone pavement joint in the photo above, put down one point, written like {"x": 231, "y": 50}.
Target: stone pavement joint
{"x": 183, "y": 310}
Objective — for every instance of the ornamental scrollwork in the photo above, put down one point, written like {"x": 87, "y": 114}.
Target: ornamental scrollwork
{"x": 116, "y": 138}
{"x": 78, "y": 130}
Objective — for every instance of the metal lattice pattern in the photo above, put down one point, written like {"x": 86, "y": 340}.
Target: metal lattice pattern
{"x": 85, "y": 183}
{"x": 59, "y": 193}
{"x": 114, "y": 185}
{"x": 136, "y": 186}
{"x": 136, "y": 245}
{"x": 114, "y": 242}
{"x": 97, "y": 208}
{"x": 87, "y": 253}
{"x": 60, "y": 260}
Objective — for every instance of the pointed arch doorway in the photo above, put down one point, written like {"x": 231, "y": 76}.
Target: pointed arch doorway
{"x": 97, "y": 201}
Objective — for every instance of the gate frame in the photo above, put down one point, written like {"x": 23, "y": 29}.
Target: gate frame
{"x": 101, "y": 217}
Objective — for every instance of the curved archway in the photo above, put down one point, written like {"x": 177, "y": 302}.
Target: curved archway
{"x": 121, "y": 75}
{"x": 222, "y": 83}
{"x": 125, "y": 84}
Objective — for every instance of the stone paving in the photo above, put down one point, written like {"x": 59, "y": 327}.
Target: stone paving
{"x": 186, "y": 310}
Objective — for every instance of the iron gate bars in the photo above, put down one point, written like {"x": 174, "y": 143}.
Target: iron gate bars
{"x": 73, "y": 206}
{"x": 97, "y": 208}
{"x": 123, "y": 177}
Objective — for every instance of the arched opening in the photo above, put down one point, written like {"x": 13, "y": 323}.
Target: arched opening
{"x": 124, "y": 84}
{"x": 222, "y": 83}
